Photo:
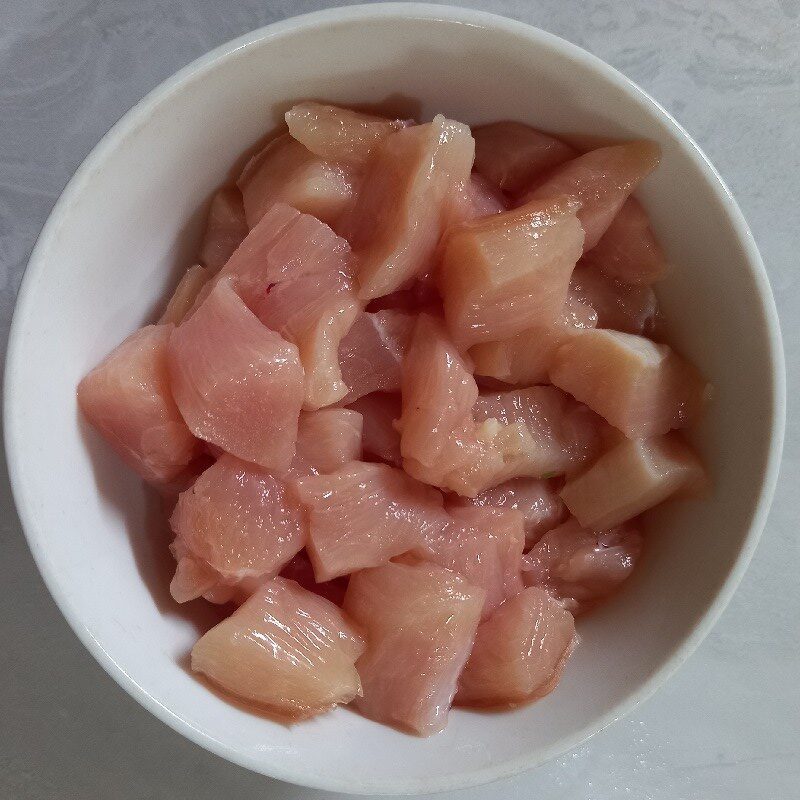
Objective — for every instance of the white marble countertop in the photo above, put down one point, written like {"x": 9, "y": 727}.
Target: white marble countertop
{"x": 726, "y": 726}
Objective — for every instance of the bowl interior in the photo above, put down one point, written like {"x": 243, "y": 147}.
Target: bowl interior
{"x": 129, "y": 223}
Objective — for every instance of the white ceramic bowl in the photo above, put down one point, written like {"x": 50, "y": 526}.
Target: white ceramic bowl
{"x": 128, "y": 222}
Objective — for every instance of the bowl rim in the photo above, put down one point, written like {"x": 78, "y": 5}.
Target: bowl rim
{"x": 126, "y": 126}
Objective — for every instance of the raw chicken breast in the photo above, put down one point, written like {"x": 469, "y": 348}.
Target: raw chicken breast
{"x": 504, "y": 273}
{"x": 629, "y": 250}
{"x": 315, "y": 311}
{"x": 400, "y": 212}
{"x": 477, "y": 198}
{"x": 338, "y": 134}
{"x": 560, "y": 434}
{"x": 371, "y": 352}
{"x": 520, "y": 652}
{"x": 419, "y": 623}
{"x": 286, "y": 172}
{"x": 630, "y": 478}
{"x": 300, "y": 570}
{"x": 525, "y": 359}
{"x": 127, "y": 398}
{"x": 640, "y": 387}
{"x": 380, "y": 437}
{"x": 484, "y": 546}
{"x": 185, "y": 295}
{"x": 601, "y": 181}
{"x": 364, "y": 514}
{"x": 326, "y": 440}
{"x": 621, "y": 306}
{"x": 580, "y": 567}
{"x": 225, "y": 228}
{"x": 537, "y": 500}
{"x": 439, "y": 440}
{"x": 512, "y": 155}
{"x": 295, "y": 274}
{"x": 239, "y": 520}
{"x": 237, "y": 384}
{"x": 286, "y": 649}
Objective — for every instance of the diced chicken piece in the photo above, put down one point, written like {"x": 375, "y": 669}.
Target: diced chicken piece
{"x": 505, "y": 273}
{"x": 300, "y": 570}
{"x": 371, "y": 352}
{"x": 537, "y": 500}
{"x": 225, "y": 229}
{"x": 525, "y": 359}
{"x": 295, "y": 274}
{"x": 326, "y": 440}
{"x": 286, "y": 172}
{"x": 285, "y": 245}
{"x": 364, "y": 514}
{"x": 400, "y": 212}
{"x": 483, "y": 545}
{"x": 185, "y": 295}
{"x": 286, "y": 649}
{"x": 419, "y": 623}
{"x": 640, "y": 387}
{"x": 512, "y": 155}
{"x": 579, "y": 567}
{"x": 559, "y": 434}
{"x": 629, "y": 250}
{"x": 381, "y": 439}
{"x": 476, "y": 199}
{"x": 620, "y": 306}
{"x": 631, "y": 478}
{"x": 240, "y": 521}
{"x": 315, "y": 312}
{"x": 237, "y": 384}
{"x": 338, "y": 134}
{"x": 127, "y": 398}
{"x": 439, "y": 439}
{"x": 520, "y": 652}
{"x": 601, "y": 181}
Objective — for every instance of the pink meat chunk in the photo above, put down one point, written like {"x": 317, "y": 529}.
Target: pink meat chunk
{"x": 237, "y": 384}
{"x": 326, "y": 440}
{"x": 381, "y": 439}
{"x": 520, "y": 652}
{"x": 631, "y": 478}
{"x": 372, "y": 351}
{"x": 483, "y": 545}
{"x": 400, "y": 212}
{"x": 620, "y": 306}
{"x": 364, "y": 514}
{"x": 578, "y": 566}
{"x": 315, "y": 311}
{"x": 225, "y": 229}
{"x": 629, "y": 250}
{"x": 537, "y": 500}
{"x": 286, "y": 649}
{"x": 185, "y": 295}
{"x": 240, "y": 521}
{"x": 128, "y": 399}
{"x": 553, "y": 434}
{"x": 339, "y": 134}
{"x": 640, "y": 387}
{"x": 286, "y": 172}
{"x": 525, "y": 359}
{"x": 300, "y": 570}
{"x": 420, "y": 623}
{"x": 512, "y": 155}
{"x": 601, "y": 181}
{"x": 477, "y": 198}
{"x": 504, "y": 273}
